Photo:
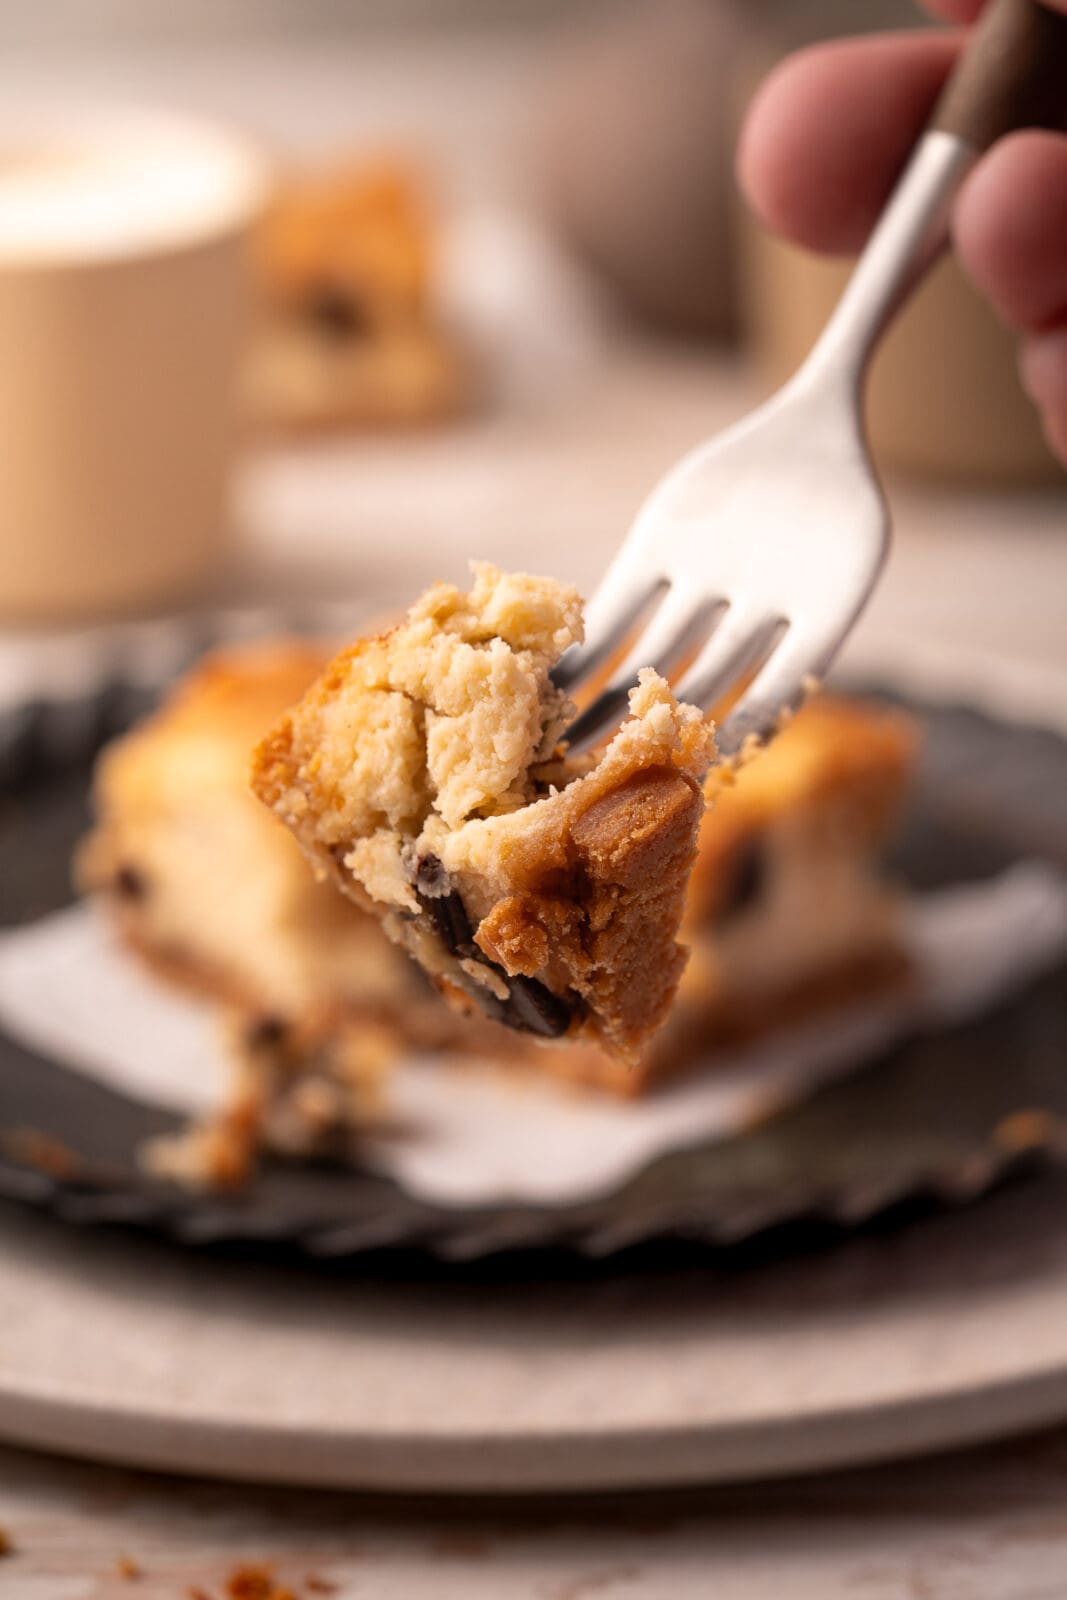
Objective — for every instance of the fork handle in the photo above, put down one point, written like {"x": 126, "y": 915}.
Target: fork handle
{"x": 1013, "y": 74}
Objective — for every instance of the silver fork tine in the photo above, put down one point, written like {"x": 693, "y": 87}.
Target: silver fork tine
{"x": 665, "y": 640}
{"x": 625, "y": 592}
{"x": 606, "y": 711}
{"x": 773, "y": 694}
{"x": 779, "y": 687}
{"x": 736, "y": 645}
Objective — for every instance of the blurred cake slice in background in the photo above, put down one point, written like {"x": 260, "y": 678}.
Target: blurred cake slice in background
{"x": 423, "y": 775}
{"x": 205, "y": 886}
{"x": 350, "y": 332}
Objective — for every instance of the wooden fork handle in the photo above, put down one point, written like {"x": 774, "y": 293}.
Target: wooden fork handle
{"x": 1013, "y": 74}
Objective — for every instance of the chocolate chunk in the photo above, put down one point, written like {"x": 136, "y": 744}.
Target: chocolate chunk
{"x": 337, "y": 314}
{"x": 130, "y": 884}
{"x": 451, "y": 923}
{"x": 748, "y": 880}
{"x": 529, "y": 1007}
{"x": 265, "y": 1033}
{"x": 431, "y": 879}
{"x": 445, "y": 908}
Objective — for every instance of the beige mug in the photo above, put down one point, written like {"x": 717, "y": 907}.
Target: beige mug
{"x": 123, "y": 305}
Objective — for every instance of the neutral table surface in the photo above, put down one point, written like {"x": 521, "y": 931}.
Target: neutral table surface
{"x": 990, "y": 1525}
{"x": 976, "y": 587}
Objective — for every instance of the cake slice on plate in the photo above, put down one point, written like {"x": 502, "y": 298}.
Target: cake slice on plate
{"x": 422, "y": 773}
{"x": 215, "y": 896}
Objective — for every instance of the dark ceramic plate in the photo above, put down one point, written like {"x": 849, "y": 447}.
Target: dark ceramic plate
{"x": 938, "y": 1120}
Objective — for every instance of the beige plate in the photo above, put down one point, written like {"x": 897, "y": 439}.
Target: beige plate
{"x": 951, "y": 1329}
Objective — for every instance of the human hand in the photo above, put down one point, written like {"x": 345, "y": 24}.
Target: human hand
{"x": 827, "y": 136}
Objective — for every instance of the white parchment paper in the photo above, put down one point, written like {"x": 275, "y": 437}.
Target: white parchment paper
{"x": 473, "y": 1134}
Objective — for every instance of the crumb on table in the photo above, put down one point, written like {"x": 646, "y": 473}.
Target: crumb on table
{"x": 1030, "y": 1128}
{"x": 40, "y": 1150}
{"x": 255, "y": 1581}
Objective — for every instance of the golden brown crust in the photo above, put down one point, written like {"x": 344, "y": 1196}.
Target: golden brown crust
{"x": 237, "y": 690}
{"x": 631, "y": 851}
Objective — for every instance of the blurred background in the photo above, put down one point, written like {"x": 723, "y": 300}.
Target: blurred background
{"x": 312, "y": 301}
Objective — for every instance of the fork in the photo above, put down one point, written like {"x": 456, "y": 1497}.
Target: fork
{"x": 758, "y": 551}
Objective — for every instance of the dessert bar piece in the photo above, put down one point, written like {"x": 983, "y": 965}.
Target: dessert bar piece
{"x": 214, "y": 894}
{"x": 349, "y": 334}
{"x": 422, "y": 775}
